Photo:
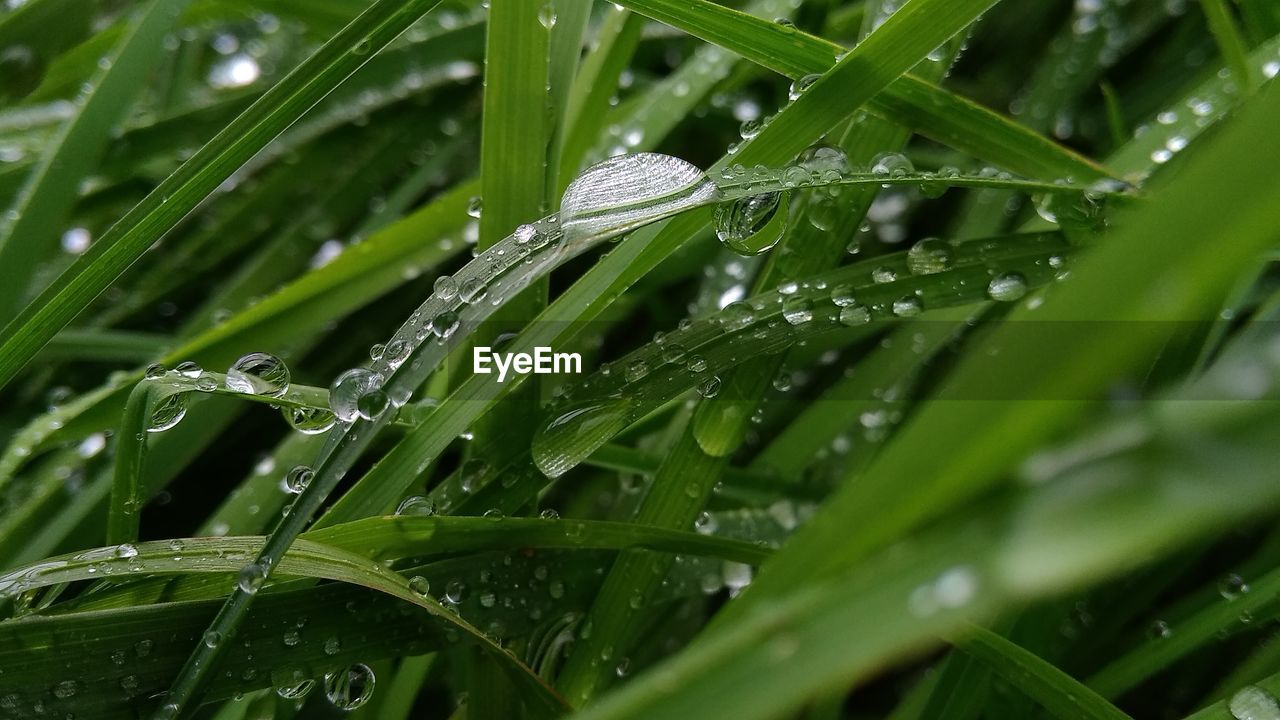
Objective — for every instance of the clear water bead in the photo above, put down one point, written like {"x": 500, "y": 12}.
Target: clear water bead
{"x": 350, "y": 687}
{"x": 258, "y": 374}
{"x": 1007, "y": 287}
{"x": 347, "y": 392}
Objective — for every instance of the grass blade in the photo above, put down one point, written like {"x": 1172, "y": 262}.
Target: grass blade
{"x": 279, "y": 108}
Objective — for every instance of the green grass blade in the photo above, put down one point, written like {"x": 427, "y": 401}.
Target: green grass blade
{"x": 1062, "y": 695}
{"x": 279, "y": 108}
{"x": 29, "y": 236}
{"x": 984, "y": 437}
{"x": 1230, "y": 43}
{"x": 910, "y": 102}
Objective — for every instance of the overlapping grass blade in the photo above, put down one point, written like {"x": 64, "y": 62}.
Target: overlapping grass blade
{"x": 179, "y": 193}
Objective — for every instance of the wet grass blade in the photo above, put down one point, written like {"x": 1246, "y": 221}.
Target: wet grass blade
{"x": 985, "y": 436}
{"x": 29, "y": 236}
{"x": 279, "y": 108}
{"x": 1062, "y": 695}
{"x": 908, "y": 101}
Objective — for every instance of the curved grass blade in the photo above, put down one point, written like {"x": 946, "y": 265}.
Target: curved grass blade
{"x": 1062, "y": 695}
{"x": 770, "y": 323}
{"x": 198, "y": 177}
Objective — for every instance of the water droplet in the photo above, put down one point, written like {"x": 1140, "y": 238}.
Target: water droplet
{"x": 578, "y": 431}
{"x": 628, "y": 191}
{"x": 298, "y": 479}
{"x": 454, "y": 591}
{"x": 1232, "y": 586}
{"x": 710, "y": 387}
{"x": 445, "y": 287}
{"x": 1254, "y": 703}
{"x": 1007, "y": 287}
{"x": 797, "y": 310}
{"x": 892, "y": 165}
{"x": 842, "y": 295}
{"x": 372, "y": 404}
{"x": 419, "y": 585}
{"x": 547, "y": 16}
{"x": 167, "y": 412}
{"x": 799, "y": 87}
{"x": 736, "y": 316}
{"x": 475, "y": 206}
{"x": 65, "y": 689}
{"x": 929, "y": 256}
{"x": 884, "y": 274}
{"x": 258, "y": 374}
{"x": 212, "y": 639}
{"x": 189, "y": 370}
{"x": 416, "y": 505}
{"x": 251, "y": 577}
{"x": 637, "y": 370}
{"x": 908, "y": 306}
{"x": 824, "y": 159}
{"x": 296, "y": 692}
{"x": 746, "y": 225}
{"x": 350, "y": 687}
{"x": 346, "y": 392}
{"x": 309, "y": 421}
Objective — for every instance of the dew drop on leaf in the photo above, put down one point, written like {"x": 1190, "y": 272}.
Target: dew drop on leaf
{"x": 577, "y": 431}
{"x": 350, "y": 687}
{"x": 167, "y": 412}
{"x": 1007, "y": 287}
{"x": 929, "y": 257}
{"x": 628, "y": 191}
{"x": 752, "y": 225}
{"x": 296, "y": 692}
{"x": 307, "y": 420}
{"x": 349, "y": 388}
{"x": 1254, "y": 703}
{"x": 258, "y": 374}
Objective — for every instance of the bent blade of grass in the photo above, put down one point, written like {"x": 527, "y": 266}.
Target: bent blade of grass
{"x": 46, "y": 199}
{"x": 1059, "y": 693}
{"x": 276, "y": 110}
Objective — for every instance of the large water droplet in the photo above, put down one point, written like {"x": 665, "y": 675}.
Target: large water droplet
{"x": 251, "y": 577}
{"x": 1254, "y": 703}
{"x": 752, "y": 225}
{"x": 168, "y": 412}
{"x": 351, "y": 387}
{"x": 350, "y": 687}
{"x": 258, "y": 374}
{"x": 929, "y": 256}
{"x": 576, "y": 432}
{"x": 309, "y": 421}
{"x": 799, "y": 87}
{"x": 1007, "y": 287}
{"x": 628, "y": 191}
